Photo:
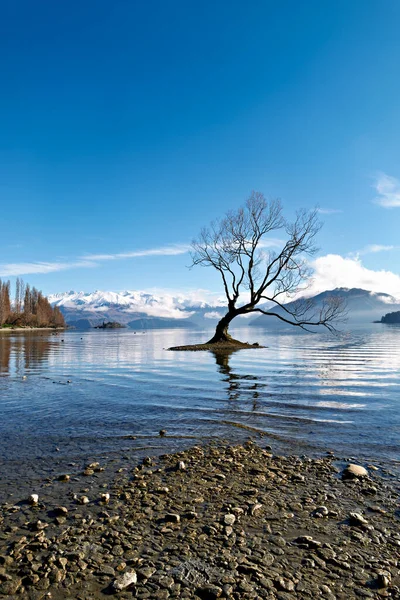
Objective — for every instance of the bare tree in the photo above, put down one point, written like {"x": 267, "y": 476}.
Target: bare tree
{"x": 238, "y": 247}
{"x": 5, "y": 305}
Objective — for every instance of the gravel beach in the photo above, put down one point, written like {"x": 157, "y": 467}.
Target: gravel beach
{"x": 218, "y": 521}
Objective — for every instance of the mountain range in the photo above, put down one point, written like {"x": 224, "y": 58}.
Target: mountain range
{"x": 362, "y": 307}
{"x": 143, "y": 310}
{"x": 137, "y": 309}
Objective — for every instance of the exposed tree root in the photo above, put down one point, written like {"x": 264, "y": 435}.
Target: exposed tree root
{"x": 223, "y": 346}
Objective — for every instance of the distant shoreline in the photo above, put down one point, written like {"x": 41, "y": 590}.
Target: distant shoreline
{"x": 12, "y": 329}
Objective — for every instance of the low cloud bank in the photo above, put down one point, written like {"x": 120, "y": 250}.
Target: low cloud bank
{"x": 333, "y": 270}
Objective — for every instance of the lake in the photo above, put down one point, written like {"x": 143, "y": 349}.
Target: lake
{"x": 80, "y": 396}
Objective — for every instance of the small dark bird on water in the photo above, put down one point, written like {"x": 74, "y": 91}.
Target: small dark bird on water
{"x": 162, "y": 432}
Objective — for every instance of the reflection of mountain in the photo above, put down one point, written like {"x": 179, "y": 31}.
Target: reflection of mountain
{"x": 23, "y": 352}
{"x": 362, "y": 307}
{"x": 145, "y": 322}
{"x": 139, "y": 321}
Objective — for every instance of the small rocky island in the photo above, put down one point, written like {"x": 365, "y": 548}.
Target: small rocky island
{"x": 110, "y": 325}
{"x": 393, "y": 317}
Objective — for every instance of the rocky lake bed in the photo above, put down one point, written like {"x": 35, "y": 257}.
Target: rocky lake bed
{"x": 212, "y": 521}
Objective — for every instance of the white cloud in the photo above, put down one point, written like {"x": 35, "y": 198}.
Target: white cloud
{"x": 388, "y": 189}
{"x": 373, "y": 248}
{"x": 43, "y": 267}
{"x": 163, "y": 251}
{"x": 212, "y": 315}
{"x": 332, "y": 271}
{"x": 328, "y": 211}
{"x": 17, "y": 269}
{"x": 271, "y": 243}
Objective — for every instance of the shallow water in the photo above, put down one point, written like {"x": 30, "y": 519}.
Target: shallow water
{"x": 308, "y": 393}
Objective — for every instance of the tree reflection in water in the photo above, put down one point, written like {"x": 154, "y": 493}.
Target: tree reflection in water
{"x": 23, "y": 352}
{"x": 238, "y": 388}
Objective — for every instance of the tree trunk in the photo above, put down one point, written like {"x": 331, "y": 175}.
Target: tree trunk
{"x": 221, "y": 331}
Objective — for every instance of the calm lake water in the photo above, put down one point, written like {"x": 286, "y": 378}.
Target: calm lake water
{"x": 308, "y": 393}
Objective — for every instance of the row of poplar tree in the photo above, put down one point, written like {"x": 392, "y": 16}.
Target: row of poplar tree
{"x": 27, "y": 308}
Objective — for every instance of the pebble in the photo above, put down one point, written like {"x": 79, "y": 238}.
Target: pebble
{"x": 384, "y": 579}
{"x": 320, "y": 512}
{"x": 353, "y": 471}
{"x": 61, "y": 510}
{"x": 209, "y": 592}
{"x": 124, "y": 581}
{"x": 170, "y": 535}
{"x": 172, "y": 518}
{"x": 229, "y": 519}
{"x": 357, "y": 519}
{"x": 33, "y": 499}
{"x": 307, "y": 541}
{"x": 10, "y": 587}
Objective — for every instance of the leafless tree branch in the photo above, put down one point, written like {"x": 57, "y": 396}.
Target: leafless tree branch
{"x": 237, "y": 247}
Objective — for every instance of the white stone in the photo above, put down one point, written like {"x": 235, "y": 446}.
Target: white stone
{"x": 354, "y": 471}
{"x": 127, "y": 579}
{"x": 357, "y": 519}
{"x": 320, "y": 512}
{"x": 229, "y": 519}
{"x": 33, "y": 498}
{"x": 256, "y": 507}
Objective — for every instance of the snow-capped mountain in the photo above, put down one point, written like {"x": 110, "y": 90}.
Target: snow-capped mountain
{"x": 362, "y": 307}
{"x": 139, "y": 309}
{"x": 145, "y": 310}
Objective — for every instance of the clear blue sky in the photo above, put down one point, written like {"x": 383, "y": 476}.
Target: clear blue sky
{"x": 125, "y": 126}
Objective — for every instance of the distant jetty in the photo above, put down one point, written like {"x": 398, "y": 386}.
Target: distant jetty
{"x": 110, "y": 325}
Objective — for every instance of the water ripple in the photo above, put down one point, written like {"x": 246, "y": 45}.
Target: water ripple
{"x": 341, "y": 392}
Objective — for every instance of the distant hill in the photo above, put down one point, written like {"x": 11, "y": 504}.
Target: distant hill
{"x": 362, "y": 307}
{"x": 393, "y": 317}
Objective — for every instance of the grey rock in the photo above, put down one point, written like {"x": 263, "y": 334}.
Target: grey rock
{"x": 320, "y": 512}
{"x": 357, "y": 519}
{"x": 209, "y": 592}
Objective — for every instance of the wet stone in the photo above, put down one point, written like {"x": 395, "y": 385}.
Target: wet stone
{"x": 86, "y": 552}
{"x": 353, "y": 471}
{"x": 10, "y": 587}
